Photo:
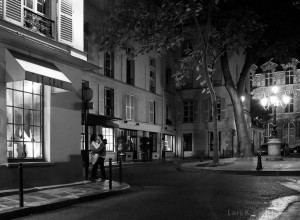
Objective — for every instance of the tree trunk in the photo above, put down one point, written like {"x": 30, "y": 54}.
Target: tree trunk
{"x": 242, "y": 132}
{"x": 214, "y": 110}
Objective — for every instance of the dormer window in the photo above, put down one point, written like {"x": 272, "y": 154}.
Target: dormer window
{"x": 269, "y": 79}
{"x": 289, "y": 76}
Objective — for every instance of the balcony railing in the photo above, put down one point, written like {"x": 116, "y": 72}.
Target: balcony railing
{"x": 37, "y": 23}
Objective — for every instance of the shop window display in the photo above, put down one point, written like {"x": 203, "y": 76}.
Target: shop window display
{"x": 24, "y": 120}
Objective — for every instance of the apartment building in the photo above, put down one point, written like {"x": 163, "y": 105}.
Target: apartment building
{"x": 133, "y": 96}
{"x": 287, "y": 77}
{"x": 42, "y": 64}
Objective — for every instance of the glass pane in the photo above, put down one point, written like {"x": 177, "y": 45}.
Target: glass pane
{"x": 36, "y": 102}
{"x": 29, "y": 3}
{"x": 37, "y": 134}
{"x": 9, "y": 85}
{"x": 9, "y": 114}
{"x": 36, "y": 118}
{"x": 36, "y": 88}
{"x": 28, "y": 149}
{"x": 9, "y": 132}
{"x": 10, "y": 150}
{"x": 28, "y": 117}
{"x": 27, "y": 86}
{"x": 18, "y": 85}
{"x": 18, "y": 133}
{"x": 27, "y": 133}
{"x": 9, "y": 97}
{"x": 37, "y": 150}
{"x": 18, "y": 116}
{"x": 27, "y": 101}
{"x": 18, "y": 99}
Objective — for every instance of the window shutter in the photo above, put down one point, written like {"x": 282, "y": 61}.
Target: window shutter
{"x": 13, "y": 11}
{"x": 179, "y": 111}
{"x": 223, "y": 108}
{"x": 65, "y": 23}
{"x": 1, "y": 8}
{"x": 124, "y": 103}
{"x": 205, "y": 109}
{"x": 112, "y": 96}
{"x": 196, "y": 111}
{"x": 133, "y": 108}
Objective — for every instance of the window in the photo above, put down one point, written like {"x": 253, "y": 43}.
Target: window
{"x": 152, "y": 62}
{"x": 288, "y": 133}
{"x": 152, "y": 81}
{"x": 168, "y": 142}
{"x": 38, "y": 6}
{"x": 24, "y": 102}
{"x": 109, "y": 64}
{"x": 290, "y": 107}
{"x": 108, "y": 102}
{"x": 130, "y": 67}
{"x": 289, "y": 76}
{"x": 188, "y": 111}
{"x": 268, "y": 79}
{"x": 153, "y": 141}
{"x": 108, "y": 133}
{"x": 221, "y": 109}
{"x": 210, "y": 141}
{"x": 129, "y": 107}
{"x": 187, "y": 142}
{"x": 168, "y": 115}
{"x": 152, "y": 112}
{"x": 36, "y": 16}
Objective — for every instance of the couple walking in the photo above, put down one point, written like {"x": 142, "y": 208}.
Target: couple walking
{"x": 98, "y": 147}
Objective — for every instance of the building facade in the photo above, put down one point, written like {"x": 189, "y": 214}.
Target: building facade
{"x": 287, "y": 78}
{"x": 42, "y": 63}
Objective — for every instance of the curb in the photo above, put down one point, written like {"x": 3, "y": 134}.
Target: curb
{"x": 241, "y": 172}
{"x": 24, "y": 211}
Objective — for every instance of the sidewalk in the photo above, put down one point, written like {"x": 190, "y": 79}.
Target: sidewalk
{"x": 247, "y": 166}
{"x": 42, "y": 199}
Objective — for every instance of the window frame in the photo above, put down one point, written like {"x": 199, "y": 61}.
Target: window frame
{"x": 289, "y": 76}
{"x": 106, "y": 98}
{"x": 269, "y": 78}
{"x": 188, "y": 111}
{"x": 109, "y": 69}
{"x": 129, "y": 107}
{"x": 33, "y": 111}
{"x": 152, "y": 111}
{"x": 290, "y": 106}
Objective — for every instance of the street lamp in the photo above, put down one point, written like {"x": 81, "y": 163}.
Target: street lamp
{"x": 274, "y": 100}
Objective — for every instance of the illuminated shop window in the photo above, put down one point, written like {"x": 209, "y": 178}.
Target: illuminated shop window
{"x": 24, "y": 120}
{"x": 108, "y": 133}
{"x": 168, "y": 143}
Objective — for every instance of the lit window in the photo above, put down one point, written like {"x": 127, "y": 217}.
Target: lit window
{"x": 24, "y": 125}
{"x": 108, "y": 134}
{"x": 168, "y": 145}
{"x": 290, "y": 106}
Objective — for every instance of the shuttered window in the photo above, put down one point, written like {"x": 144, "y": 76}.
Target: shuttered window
{"x": 130, "y": 107}
{"x": 152, "y": 111}
{"x": 1, "y": 8}
{"x": 13, "y": 12}
{"x": 65, "y": 29}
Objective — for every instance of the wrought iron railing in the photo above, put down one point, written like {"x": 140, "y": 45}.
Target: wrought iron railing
{"x": 37, "y": 23}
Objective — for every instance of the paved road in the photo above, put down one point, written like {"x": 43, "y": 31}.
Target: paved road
{"x": 159, "y": 191}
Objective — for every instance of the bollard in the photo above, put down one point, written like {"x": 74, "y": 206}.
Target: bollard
{"x": 110, "y": 174}
{"x": 259, "y": 165}
{"x": 120, "y": 169}
{"x": 21, "y": 195}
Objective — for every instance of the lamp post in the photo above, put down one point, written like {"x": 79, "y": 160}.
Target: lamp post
{"x": 274, "y": 100}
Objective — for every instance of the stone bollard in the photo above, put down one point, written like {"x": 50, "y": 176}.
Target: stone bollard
{"x": 259, "y": 165}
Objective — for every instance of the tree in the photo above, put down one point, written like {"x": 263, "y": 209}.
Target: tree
{"x": 163, "y": 25}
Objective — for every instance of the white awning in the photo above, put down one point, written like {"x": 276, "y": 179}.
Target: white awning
{"x": 22, "y": 67}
